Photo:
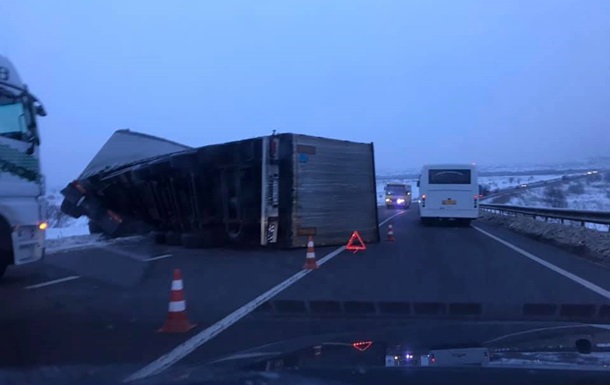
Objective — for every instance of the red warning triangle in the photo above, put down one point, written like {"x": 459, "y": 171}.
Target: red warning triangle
{"x": 359, "y": 244}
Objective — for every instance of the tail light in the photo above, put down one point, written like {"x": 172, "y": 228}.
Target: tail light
{"x": 476, "y": 200}
{"x": 423, "y": 200}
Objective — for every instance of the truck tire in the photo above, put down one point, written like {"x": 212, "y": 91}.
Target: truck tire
{"x": 159, "y": 237}
{"x": 193, "y": 241}
{"x": 173, "y": 238}
{"x": 6, "y": 247}
{"x": 3, "y": 267}
{"x": 202, "y": 239}
{"x": 94, "y": 228}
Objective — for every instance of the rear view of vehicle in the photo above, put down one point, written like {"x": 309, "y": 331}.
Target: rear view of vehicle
{"x": 449, "y": 192}
{"x": 397, "y": 195}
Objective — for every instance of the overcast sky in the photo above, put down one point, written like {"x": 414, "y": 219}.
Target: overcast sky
{"x": 490, "y": 81}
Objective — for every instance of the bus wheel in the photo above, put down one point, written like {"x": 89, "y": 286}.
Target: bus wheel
{"x": 465, "y": 222}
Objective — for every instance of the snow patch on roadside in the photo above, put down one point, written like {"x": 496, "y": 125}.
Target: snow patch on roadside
{"x": 79, "y": 242}
{"x": 586, "y": 243}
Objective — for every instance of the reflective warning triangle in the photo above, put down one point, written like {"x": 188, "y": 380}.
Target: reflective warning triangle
{"x": 359, "y": 244}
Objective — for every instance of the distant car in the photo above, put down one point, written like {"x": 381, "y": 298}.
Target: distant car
{"x": 523, "y": 186}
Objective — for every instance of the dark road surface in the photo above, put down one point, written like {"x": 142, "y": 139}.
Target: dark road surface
{"x": 108, "y": 314}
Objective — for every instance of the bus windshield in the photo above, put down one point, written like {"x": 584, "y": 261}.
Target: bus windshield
{"x": 453, "y": 176}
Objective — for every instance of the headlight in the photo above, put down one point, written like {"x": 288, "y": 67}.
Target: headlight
{"x": 388, "y": 200}
{"x": 399, "y": 201}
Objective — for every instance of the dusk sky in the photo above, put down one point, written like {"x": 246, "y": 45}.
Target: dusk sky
{"x": 427, "y": 81}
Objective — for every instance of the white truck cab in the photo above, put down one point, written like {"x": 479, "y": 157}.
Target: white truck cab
{"x": 22, "y": 226}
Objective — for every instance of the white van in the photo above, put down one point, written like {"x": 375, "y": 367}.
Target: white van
{"x": 448, "y": 191}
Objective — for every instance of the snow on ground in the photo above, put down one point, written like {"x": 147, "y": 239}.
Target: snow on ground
{"x": 71, "y": 228}
{"x": 569, "y": 359}
{"x": 578, "y": 195}
{"x": 582, "y": 241}
{"x": 501, "y": 182}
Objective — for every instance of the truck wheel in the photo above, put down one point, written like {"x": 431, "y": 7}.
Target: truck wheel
{"x": 3, "y": 266}
{"x": 94, "y": 228}
{"x": 173, "y": 239}
{"x": 192, "y": 241}
{"x": 6, "y": 247}
{"x": 465, "y": 222}
{"x": 159, "y": 237}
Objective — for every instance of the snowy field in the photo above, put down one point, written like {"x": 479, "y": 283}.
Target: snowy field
{"x": 577, "y": 195}
{"x": 501, "y": 182}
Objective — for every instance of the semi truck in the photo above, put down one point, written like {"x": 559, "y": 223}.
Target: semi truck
{"x": 22, "y": 186}
{"x": 270, "y": 191}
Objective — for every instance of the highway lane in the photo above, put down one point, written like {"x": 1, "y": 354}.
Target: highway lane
{"x": 112, "y": 312}
{"x": 425, "y": 264}
{"x": 441, "y": 263}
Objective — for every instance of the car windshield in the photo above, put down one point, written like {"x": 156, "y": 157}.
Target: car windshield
{"x": 218, "y": 177}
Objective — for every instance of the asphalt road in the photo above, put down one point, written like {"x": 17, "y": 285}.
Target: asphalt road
{"x": 106, "y": 314}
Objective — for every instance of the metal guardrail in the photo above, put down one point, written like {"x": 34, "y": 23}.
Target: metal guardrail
{"x": 582, "y": 216}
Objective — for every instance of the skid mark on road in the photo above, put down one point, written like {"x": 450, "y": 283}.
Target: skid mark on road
{"x": 581, "y": 281}
{"x": 204, "y": 336}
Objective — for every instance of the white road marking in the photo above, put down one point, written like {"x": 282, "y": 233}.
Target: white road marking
{"x": 581, "y": 281}
{"x": 159, "y": 257}
{"x": 53, "y": 282}
{"x": 390, "y": 218}
{"x": 204, "y": 336}
{"x": 128, "y": 254}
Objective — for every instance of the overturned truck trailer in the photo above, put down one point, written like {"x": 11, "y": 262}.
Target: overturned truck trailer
{"x": 271, "y": 191}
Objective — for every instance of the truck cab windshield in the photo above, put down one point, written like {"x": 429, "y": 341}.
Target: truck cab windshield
{"x": 396, "y": 190}
{"x": 13, "y": 119}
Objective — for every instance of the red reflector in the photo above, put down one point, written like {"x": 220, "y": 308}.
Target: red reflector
{"x": 362, "y": 345}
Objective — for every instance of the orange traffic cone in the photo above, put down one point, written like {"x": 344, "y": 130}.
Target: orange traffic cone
{"x": 177, "y": 320}
{"x": 391, "y": 233}
{"x": 310, "y": 257}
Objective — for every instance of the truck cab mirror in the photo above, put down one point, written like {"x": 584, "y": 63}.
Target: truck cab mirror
{"x": 40, "y": 111}
{"x": 417, "y": 183}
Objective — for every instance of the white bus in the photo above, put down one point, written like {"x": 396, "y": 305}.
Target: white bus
{"x": 448, "y": 191}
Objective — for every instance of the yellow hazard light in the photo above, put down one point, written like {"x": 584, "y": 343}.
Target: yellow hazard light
{"x": 43, "y": 226}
